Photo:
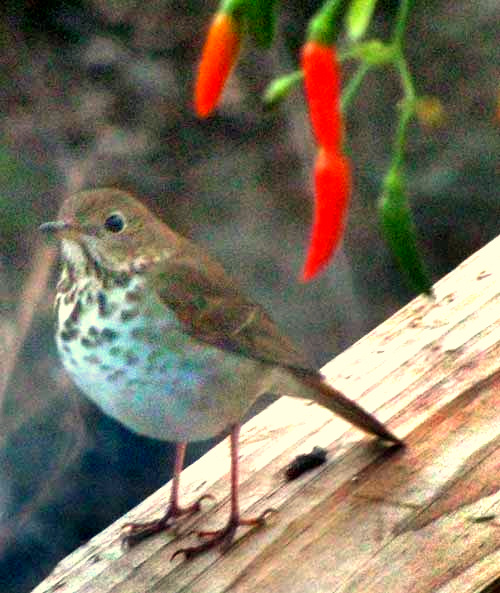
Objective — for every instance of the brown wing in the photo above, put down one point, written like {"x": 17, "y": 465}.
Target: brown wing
{"x": 212, "y": 309}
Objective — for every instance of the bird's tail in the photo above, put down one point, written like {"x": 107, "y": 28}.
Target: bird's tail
{"x": 335, "y": 401}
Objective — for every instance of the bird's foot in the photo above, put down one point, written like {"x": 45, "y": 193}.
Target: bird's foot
{"x": 133, "y": 533}
{"x": 221, "y": 537}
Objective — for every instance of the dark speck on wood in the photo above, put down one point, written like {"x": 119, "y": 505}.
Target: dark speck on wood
{"x": 303, "y": 463}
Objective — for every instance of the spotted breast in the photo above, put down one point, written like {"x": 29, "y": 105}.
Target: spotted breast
{"x": 127, "y": 352}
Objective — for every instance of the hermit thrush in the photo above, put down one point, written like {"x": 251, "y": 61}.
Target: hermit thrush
{"x": 160, "y": 338}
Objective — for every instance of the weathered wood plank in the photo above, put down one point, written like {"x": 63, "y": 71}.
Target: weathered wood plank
{"x": 371, "y": 519}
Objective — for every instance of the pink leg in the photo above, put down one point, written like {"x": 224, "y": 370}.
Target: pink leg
{"x": 225, "y": 536}
{"x": 136, "y": 532}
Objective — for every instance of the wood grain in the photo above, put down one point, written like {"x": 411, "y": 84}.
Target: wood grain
{"x": 372, "y": 519}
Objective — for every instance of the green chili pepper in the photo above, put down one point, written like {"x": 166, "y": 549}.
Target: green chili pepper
{"x": 400, "y": 232}
{"x": 358, "y": 17}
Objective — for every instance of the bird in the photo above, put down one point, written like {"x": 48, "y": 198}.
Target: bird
{"x": 153, "y": 330}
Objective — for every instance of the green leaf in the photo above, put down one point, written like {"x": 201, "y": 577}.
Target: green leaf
{"x": 373, "y": 52}
{"x": 400, "y": 232}
{"x": 260, "y": 17}
{"x": 279, "y": 88}
{"x": 358, "y": 17}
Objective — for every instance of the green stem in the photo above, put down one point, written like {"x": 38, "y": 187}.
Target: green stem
{"x": 324, "y": 26}
{"x": 409, "y": 94}
{"x": 407, "y": 112}
{"x": 235, "y": 8}
{"x": 401, "y": 22}
{"x": 352, "y": 87}
{"x": 408, "y": 102}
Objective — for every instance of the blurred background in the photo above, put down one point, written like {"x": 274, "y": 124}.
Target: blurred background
{"x": 98, "y": 92}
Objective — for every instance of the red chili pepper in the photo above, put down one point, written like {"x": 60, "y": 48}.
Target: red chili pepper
{"x": 332, "y": 176}
{"x": 218, "y": 57}
{"x": 323, "y": 87}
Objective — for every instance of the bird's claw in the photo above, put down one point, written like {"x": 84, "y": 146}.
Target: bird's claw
{"x": 222, "y": 537}
{"x": 134, "y": 533}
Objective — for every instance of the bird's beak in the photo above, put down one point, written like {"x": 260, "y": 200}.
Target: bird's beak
{"x": 60, "y": 229}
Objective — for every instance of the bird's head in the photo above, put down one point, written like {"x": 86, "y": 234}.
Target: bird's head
{"x": 113, "y": 229}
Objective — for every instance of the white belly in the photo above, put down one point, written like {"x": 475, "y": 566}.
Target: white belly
{"x": 152, "y": 377}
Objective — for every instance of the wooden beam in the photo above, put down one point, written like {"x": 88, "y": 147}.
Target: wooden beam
{"x": 372, "y": 519}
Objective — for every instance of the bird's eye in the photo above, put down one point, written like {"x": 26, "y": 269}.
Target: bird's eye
{"x": 115, "y": 223}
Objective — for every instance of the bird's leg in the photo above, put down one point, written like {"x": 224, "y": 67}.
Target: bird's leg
{"x": 136, "y": 532}
{"x": 225, "y": 536}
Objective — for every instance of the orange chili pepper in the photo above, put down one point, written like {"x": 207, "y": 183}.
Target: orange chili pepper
{"x": 332, "y": 177}
{"x": 323, "y": 88}
{"x": 218, "y": 57}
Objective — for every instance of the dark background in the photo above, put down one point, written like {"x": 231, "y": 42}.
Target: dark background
{"x": 98, "y": 92}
